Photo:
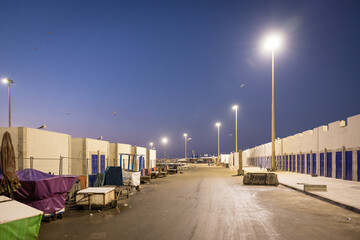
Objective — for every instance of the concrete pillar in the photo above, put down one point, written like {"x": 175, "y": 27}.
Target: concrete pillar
{"x": 325, "y": 162}
{"x": 355, "y": 165}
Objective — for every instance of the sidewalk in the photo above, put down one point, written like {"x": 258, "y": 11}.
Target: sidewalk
{"x": 340, "y": 192}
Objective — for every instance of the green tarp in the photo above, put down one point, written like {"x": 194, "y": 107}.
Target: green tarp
{"x": 27, "y": 228}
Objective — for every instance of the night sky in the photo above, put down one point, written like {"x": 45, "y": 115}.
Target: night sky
{"x": 169, "y": 67}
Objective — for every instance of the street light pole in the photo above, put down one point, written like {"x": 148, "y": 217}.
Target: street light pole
{"x": 164, "y": 140}
{"x": 272, "y": 43}
{"x": 185, "y": 136}
{"x": 8, "y": 81}
{"x": 273, "y": 164}
{"x": 235, "y": 107}
{"x": 218, "y": 126}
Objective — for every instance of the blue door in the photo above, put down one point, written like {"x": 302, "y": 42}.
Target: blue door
{"x": 314, "y": 163}
{"x": 329, "y": 164}
{"x": 348, "y": 165}
{"x": 298, "y": 163}
{"x": 290, "y": 163}
{"x": 102, "y": 163}
{"x": 94, "y": 164}
{"x": 338, "y": 163}
{"x": 322, "y": 165}
{"x": 294, "y": 165}
{"x": 308, "y": 163}
{"x": 302, "y": 163}
{"x": 286, "y": 163}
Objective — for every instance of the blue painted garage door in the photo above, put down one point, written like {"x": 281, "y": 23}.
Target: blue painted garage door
{"x": 302, "y": 163}
{"x": 294, "y": 165}
{"x": 287, "y": 163}
{"x": 290, "y": 163}
{"x": 298, "y": 163}
{"x": 338, "y": 164}
{"x": 329, "y": 164}
{"x": 314, "y": 163}
{"x": 348, "y": 165}
{"x": 308, "y": 163}
{"x": 94, "y": 164}
{"x": 102, "y": 163}
{"x": 322, "y": 165}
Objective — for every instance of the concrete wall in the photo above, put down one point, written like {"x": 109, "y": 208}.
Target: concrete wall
{"x": 151, "y": 158}
{"x": 139, "y": 151}
{"x": 224, "y": 158}
{"x": 119, "y": 148}
{"x": 82, "y": 149}
{"x": 43, "y": 147}
{"x": 336, "y": 137}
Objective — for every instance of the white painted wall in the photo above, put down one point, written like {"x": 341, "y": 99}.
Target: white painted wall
{"x": 138, "y": 151}
{"x": 333, "y": 137}
{"x": 119, "y": 148}
{"x": 151, "y": 156}
{"x": 82, "y": 149}
{"x": 43, "y": 146}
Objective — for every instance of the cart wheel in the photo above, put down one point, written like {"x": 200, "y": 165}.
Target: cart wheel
{"x": 138, "y": 188}
{"x": 113, "y": 204}
{"x": 59, "y": 216}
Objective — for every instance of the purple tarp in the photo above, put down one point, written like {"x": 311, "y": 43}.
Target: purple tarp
{"x": 43, "y": 191}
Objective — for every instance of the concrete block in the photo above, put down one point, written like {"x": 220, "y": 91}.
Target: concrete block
{"x": 261, "y": 179}
{"x": 315, "y": 188}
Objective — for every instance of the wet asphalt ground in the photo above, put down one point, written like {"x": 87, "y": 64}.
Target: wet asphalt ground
{"x": 208, "y": 203}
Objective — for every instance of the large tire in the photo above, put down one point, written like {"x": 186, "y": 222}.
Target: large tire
{"x": 113, "y": 204}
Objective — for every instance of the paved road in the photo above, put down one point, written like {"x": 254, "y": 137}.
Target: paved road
{"x": 209, "y": 203}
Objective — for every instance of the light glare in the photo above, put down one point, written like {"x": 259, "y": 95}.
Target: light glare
{"x": 164, "y": 140}
{"x": 235, "y": 107}
{"x": 218, "y": 124}
{"x": 273, "y": 42}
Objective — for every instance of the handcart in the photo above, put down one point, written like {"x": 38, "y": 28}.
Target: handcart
{"x": 96, "y": 197}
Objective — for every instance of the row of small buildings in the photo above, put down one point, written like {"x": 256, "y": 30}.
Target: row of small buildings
{"x": 59, "y": 153}
{"x": 331, "y": 150}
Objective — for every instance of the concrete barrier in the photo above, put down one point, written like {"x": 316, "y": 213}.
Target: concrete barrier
{"x": 261, "y": 179}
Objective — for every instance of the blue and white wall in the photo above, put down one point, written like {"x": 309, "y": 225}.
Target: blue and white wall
{"x": 331, "y": 150}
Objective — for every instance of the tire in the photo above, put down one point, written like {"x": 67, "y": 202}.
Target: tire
{"x": 113, "y": 204}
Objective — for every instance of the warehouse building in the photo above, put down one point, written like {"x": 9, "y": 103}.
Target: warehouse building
{"x": 331, "y": 151}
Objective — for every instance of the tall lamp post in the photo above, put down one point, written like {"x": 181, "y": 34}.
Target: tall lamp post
{"x": 235, "y": 107}
{"x": 185, "y": 136}
{"x": 151, "y": 145}
{"x": 272, "y": 43}
{"x": 218, "y": 127}
{"x": 164, "y": 141}
{"x": 8, "y": 81}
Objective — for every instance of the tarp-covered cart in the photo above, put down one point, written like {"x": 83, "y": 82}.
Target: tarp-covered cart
{"x": 17, "y": 220}
{"x": 43, "y": 191}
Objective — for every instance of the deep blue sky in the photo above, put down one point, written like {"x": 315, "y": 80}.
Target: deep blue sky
{"x": 169, "y": 67}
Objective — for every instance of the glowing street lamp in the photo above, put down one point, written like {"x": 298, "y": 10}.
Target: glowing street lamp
{"x": 273, "y": 43}
{"x": 235, "y": 107}
{"x": 218, "y": 126}
{"x": 185, "y": 136}
{"x": 151, "y": 145}
{"x": 164, "y": 141}
{"x": 8, "y": 81}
